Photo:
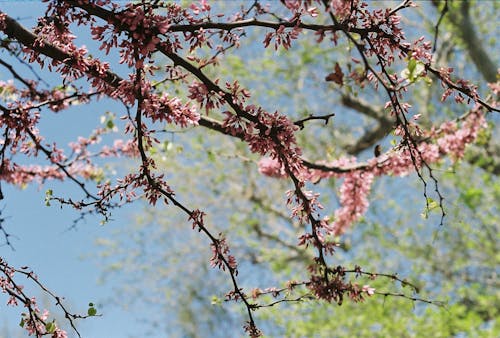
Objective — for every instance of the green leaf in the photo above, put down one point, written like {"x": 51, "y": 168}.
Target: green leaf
{"x": 413, "y": 71}
{"x": 431, "y": 204}
{"x": 411, "y": 65}
{"x": 169, "y": 146}
{"x": 48, "y": 197}
{"x": 216, "y": 300}
{"x": 21, "y": 324}
{"x": 50, "y": 327}
{"x": 92, "y": 310}
{"x": 110, "y": 124}
{"x": 419, "y": 68}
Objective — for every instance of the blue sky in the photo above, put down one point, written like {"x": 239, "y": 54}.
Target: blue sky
{"x": 62, "y": 258}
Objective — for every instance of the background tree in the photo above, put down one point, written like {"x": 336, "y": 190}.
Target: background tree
{"x": 301, "y": 142}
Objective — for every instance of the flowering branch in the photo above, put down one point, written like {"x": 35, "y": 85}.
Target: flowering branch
{"x": 138, "y": 31}
{"x": 35, "y": 321}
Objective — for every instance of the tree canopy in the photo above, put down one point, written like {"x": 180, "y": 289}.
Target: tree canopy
{"x": 281, "y": 135}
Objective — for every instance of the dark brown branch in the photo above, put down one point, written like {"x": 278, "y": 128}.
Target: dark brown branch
{"x": 228, "y": 26}
{"x": 326, "y": 118}
{"x": 4, "y": 232}
{"x": 286, "y": 300}
{"x": 436, "y": 28}
{"x": 48, "y": 153}
{"x": 16, "y": 75}
{"x": 170, "y": 197}
{"x": 19, "y": 294}
{"x": 415, "y": 299}
{"x": 25, "y": 37}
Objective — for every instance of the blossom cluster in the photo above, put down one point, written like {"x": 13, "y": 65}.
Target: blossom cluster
{"x": 449, "y": 139}
{"x": 220, "y": 255}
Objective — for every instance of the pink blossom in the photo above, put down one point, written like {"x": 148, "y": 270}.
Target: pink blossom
{"x": 313, "y": 11}
{"x": 58, "y": 333}
{"x": 202, "y": 6}
{"x": 353, "y": 199}
{"x": 271, "y": 167}
{"x": 369, "y": 290}
{"x": 220, "y": 252}
{"x": 342, "y": 8}
{"x": 12, "y": 301}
